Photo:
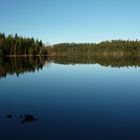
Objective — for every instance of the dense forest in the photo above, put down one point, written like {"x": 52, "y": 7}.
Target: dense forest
{"x": 115, "y": 53}
{"x": 21, "y": 46}
{"x": 112, "y": 48}
{"x": 17, "y": 46}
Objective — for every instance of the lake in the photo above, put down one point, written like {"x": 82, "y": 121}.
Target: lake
{"x": 45, "y": 100}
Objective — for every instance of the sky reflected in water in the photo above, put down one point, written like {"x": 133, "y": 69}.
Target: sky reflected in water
{"x": 71, "y": 102}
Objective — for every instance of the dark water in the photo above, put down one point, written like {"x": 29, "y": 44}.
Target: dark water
{"x": 68, "y": 102}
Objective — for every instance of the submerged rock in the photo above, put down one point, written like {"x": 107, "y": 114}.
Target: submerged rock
{"x": 27, "y": 118}
{"x": 9, "y": 116}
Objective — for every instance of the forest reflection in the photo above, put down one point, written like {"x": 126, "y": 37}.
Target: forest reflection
{"x": 103, "y": 60}
{"x": 21, "y": 65}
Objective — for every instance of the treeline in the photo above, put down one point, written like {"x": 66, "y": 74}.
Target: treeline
{"x": 115, "y": 53}
{"x": 112, "y": 48}
{"x": 16, "y": 45}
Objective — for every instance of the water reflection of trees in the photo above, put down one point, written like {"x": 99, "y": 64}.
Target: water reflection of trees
{"x": 20, "y": 65}
{"x": 104, "y": 60}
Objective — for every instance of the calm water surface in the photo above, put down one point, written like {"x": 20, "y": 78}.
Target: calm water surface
{"x": 71, "y": 102}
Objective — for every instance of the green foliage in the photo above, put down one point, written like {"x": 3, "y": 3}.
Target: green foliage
{"x": 109, "y": 53}
{"x": 20, "y": 46}
{"x": 15, "y": 45}
{"x": 114, "y": 47}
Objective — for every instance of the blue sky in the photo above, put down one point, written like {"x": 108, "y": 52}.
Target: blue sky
{"x": 56, "y": 21}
